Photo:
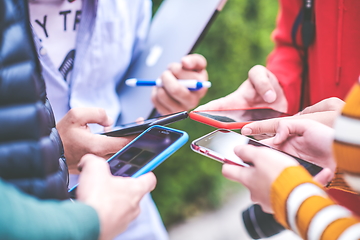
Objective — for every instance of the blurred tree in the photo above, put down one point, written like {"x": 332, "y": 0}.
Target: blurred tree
{"x": 239, "y": 38}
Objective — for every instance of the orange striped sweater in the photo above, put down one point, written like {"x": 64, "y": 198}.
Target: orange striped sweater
{"x": 303, "y": 206}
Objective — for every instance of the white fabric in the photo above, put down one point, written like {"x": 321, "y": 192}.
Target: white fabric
{"x": 297, "y": 197}
{"x": 348, "y": 130}
{"x": 110, "y": 35}
{"x": 324, "y": 218}
{"x": 351, "y": 233}
{"x": 353, "y": 181}
{"x": 58, "y": 32}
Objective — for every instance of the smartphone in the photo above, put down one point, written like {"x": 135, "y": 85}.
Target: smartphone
{"x": 138, "y": 127}
{"x": 234, "y": 118}
{"x": 219, "y": 145}
{"x": 145, "y": 152}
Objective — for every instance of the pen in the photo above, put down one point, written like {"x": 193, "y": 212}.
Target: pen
{"x": 191, "y": 84}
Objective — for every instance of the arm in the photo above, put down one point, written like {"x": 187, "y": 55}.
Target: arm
{"x": 105, "y": 206}
{"x": 25, "y": 217}
{"x": 282, "y": 187}
{"x": 303, "y": 206}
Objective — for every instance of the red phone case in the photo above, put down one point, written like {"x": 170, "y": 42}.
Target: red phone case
{"x": 226, "y": 125}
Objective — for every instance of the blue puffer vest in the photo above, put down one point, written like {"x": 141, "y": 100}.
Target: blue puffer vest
{"x": 31, "y": 152}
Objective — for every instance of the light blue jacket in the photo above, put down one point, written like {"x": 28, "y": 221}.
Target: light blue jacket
{"x": 111, "y": 34}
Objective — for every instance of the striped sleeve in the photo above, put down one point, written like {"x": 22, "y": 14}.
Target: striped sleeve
{"x": 301, "y": 205}
{"x": 347, "y": 139}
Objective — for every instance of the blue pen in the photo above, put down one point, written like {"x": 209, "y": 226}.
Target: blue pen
{"x": 191, "y": 84}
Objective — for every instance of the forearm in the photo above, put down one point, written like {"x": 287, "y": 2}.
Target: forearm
{"x": 24, "y": 217}
{"x": 300, "y": 204}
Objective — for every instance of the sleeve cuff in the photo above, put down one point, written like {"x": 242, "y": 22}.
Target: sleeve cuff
{"x": 283, "y": 186}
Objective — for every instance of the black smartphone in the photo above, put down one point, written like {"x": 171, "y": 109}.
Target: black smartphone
{"x": 219, "y": 145}
{"x": 138, "y": 127}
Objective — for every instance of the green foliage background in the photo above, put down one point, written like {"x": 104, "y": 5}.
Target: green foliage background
{"x": 189, "y": 183}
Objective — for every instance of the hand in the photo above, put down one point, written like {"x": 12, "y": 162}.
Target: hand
{"x": 116, "y": 199}
{"x": 267, "y": 164}
{"x": 78, "y": 139}
{"x": 173, "y": 97}
{"x": 306, "y": 139}
{"x": 324, "y": 112}
{"x": 328, "y": 104}
{"x": 261, "y": 89}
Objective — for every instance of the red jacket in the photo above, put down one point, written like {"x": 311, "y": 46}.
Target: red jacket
{"x": 333, "y": 57}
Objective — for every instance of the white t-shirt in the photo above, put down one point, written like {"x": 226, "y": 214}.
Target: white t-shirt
{"x": 56, "y": 23}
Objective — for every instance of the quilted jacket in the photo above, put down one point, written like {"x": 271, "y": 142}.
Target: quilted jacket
{"x": 31, "y": 152}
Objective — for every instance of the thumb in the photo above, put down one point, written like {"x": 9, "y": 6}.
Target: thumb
{"x": 148, "y": 181}
{"x": 260, "y": 78}
{"x": 246, "y": 153}
{"x": 92, "y": 163}
{"x": 237, "y": 173}
{"x": 324, "y": 177}
{"x": 84, "y": 116}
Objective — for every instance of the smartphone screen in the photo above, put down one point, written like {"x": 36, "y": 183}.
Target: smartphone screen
{"x": 220, "y": 145}
{"x": 136, "y": 155}
{"x": 145, "y": 152}
{"x": 138, "y": 127}
{"x": 234, "y": 119}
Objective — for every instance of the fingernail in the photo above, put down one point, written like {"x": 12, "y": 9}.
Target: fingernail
{"x": 246, "y": 131}
{"x": 270, "y": 96}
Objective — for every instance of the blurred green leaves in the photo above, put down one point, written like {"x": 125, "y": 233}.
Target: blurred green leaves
{"x": 239, "y": 38}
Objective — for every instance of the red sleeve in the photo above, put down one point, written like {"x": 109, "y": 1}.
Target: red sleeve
{"x": 285, "y": 60}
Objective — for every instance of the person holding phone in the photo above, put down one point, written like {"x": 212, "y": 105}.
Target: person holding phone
{"x": 297, "y": 200}
{"x": 33, "y": 172}
{"x": 105, "y": 206}
{"x": 324, "y": 112}
{"x": 303, "y": 69}
{"x": 85, "y": 49}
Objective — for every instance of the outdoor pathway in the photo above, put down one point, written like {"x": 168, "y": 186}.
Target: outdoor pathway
{"x": 223, "y": 224}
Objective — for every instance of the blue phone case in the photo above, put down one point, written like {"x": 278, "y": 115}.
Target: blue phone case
{"x": 163, "y": 155}
{"x": 159, "y": 158}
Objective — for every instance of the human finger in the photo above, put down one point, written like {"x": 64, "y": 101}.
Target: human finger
{"x": 287, "y": 127}
{"x": 329, "y": 104}
{"x": 105, "y": 145}
{"x": 267, "y": 126}
{"x": 237, "y": 173}
{"x": 148, "y": 181}
{"x": 260, "y": 78}
{"x": 324, "y": 176}
{"x": 178, "y": 92}
{"x": 164, "y": 103}
{"x": 194, "y": 62}
{"x": 180, "y": 73}
{"x": 246, "y": 153}
{"x": 92, "y": 164}
{"x": 158, "y": 105}
{"x": 83, "y": 116}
